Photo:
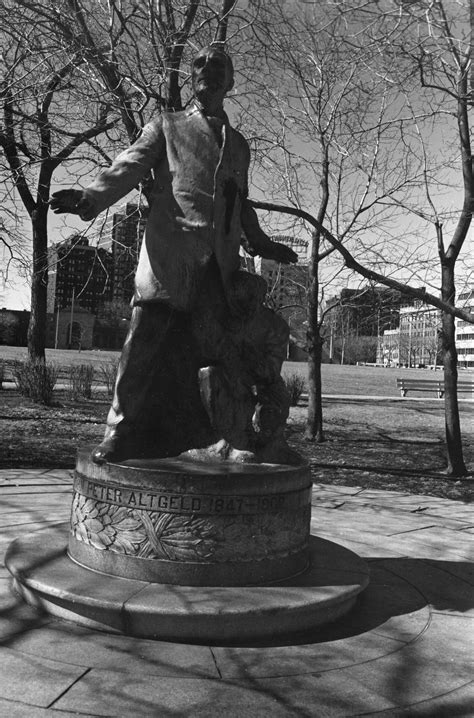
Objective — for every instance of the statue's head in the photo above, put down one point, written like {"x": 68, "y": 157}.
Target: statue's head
{"x": 212, "y": 75}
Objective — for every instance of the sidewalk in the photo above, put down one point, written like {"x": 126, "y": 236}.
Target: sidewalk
{"x": 407, "y": 649}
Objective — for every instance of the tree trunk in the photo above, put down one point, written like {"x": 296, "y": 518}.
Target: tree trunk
{"x": 314, "y": 425}
{"x": 39, "y": 285}
{"x": 456, "y": 465}
{"x": 314, "y": 421}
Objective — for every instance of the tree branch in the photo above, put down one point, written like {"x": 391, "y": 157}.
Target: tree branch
{"x": 352, "y": 263}
{"x": 80, "y": 138}
{"x": 226, "y": 9}
{"x": 7, "y": 141}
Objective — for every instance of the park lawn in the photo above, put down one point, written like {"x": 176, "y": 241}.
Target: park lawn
{"x": 337, "y": 379}
{"x": 389, "y": 445}
{"x": 63, "y": 357}
{"x": 381, "y": 444}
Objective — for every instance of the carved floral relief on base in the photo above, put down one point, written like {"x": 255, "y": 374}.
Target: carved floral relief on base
{"x": 172, "y": 537}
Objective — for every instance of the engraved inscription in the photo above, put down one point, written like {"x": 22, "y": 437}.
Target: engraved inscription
{"x": 191, "y": 503}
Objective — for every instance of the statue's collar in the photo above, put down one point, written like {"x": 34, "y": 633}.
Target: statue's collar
{"x": 197, "y": 107}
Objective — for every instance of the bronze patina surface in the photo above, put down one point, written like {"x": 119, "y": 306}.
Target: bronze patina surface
{"x": 200, "y": 367}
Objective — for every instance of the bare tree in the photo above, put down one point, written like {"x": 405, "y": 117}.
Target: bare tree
{"x": 77, "y": 75}
{"x": 38, "y": 134}
{"x": 13, "y": 249}
{"x": 347, "y": 139}
{"x": 313, "y": 148}
{"x": 440, "y": 46}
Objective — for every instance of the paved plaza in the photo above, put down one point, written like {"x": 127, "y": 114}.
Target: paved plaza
{"x": 406, "y": 649}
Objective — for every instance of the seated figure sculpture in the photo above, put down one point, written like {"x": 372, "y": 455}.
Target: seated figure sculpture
{"x": 181, "y": 349}
{"x": 243, "y": 391}
{"x": 263, "y": 339}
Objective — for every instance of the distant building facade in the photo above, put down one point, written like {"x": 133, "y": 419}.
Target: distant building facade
{"x": 416, "y": 341}
{"x": 367, "y": 311}
{"x": 419, "y": 335}
{"x": 356, "y": 319}
{"x": 79, "y": 274}
{"x": 465, "y": 331}
{"x": 90, "y": 288}
{"x": 70, "y": 328}
{"x": 127, "y": 232}
{"x": 288, "y": 291}
{"x": 388, "y": 349}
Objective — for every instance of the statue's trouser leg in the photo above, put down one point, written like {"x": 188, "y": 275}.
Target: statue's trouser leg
{"x": 229, "y": 406}
{"x": 145, "y": 343}
{"x": 273, "y": 410}
{"x": 228, "y": 400}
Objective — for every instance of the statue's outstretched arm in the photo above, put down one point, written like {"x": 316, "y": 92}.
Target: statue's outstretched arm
{"x": 257, "y": 242}
{"x": 114, "y": 182}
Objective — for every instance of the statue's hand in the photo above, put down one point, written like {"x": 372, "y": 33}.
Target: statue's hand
{"x": 68, "y": 200}
{"x": 278, "y": 252}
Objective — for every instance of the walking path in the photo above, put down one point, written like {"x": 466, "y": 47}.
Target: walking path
{"x": 407, "y": 649}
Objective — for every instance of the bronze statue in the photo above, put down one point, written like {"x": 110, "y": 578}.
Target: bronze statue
{"x": 182, "y": 361}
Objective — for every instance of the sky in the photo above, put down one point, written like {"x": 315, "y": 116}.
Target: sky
{"x": 15, "y": 291}
{"x": 14, "y": 294}
{"x": 15, "y": 288}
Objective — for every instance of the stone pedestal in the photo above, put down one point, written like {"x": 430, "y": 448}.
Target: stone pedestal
{"x": 191, "y": 523}
{"x": 187, "y": 551}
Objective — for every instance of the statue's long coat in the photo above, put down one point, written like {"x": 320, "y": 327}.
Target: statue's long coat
{"x": 197, "y": 203}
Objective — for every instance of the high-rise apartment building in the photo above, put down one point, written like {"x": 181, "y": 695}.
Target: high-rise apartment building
{"x": 79, "y": 274}
{"x": 465, "y": 331}
{"x": 288, "y": 287}
{"x": 287, "y": 283}
{"x": 419, "y": 334}
{"x": 367, "y": 311}
{"x": 127, "y": 233}
{"x": 415, "y": 342}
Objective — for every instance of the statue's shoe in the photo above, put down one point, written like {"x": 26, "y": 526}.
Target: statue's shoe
{"x": 110, "y": 449}
{"x": 220, "y": 451}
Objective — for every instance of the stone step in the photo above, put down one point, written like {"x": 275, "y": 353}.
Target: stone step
{"x": 48, "y": 579}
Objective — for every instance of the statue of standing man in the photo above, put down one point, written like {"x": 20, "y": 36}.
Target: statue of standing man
{"x": 181, "y": 359}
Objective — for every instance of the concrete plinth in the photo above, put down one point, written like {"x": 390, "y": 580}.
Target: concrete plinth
{"x": 47, "y": 578}
{"x": 188, "y": 551}
{"x": 191, "y": 523}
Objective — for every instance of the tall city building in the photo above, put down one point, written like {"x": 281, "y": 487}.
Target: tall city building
{"x": 79, "y": 274}
{"x": 419, "y": 334}
{"x": 288, "y": 289}
{"x": 367, "y": 311}
{"x": 287, "y": 283}
{"x": 465, "y": 331}
{"x": 127, "y": 233}
{"x": 356, "y": 319}
{"x": 415, "y": 342}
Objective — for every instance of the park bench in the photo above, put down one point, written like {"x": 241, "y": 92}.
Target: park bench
{"x": 437, "y": 385}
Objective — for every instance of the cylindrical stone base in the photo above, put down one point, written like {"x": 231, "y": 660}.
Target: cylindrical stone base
{"x": 179, "y": 522}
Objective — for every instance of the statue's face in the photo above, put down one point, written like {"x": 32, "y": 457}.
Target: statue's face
{"x": 212, "y": 75}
